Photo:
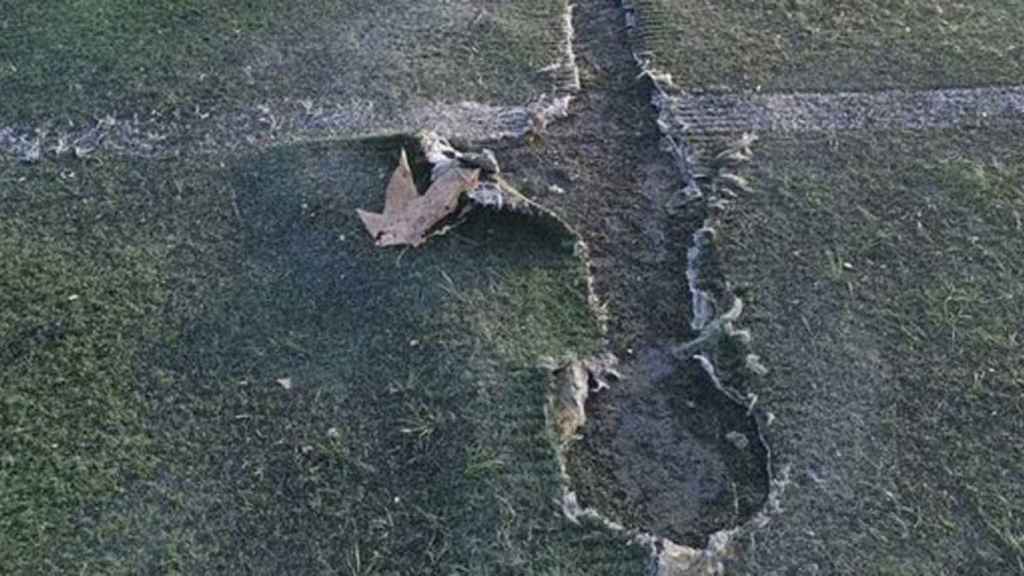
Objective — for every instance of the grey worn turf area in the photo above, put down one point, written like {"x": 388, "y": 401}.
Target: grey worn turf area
{"x": 910, "y": 110}
{"x": 270, "y": 124}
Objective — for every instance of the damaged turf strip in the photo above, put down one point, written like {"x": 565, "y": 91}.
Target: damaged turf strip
{"x": 876, "y": 247}
{"x": 674, "y": 456}
{"x": 293, "y": 400}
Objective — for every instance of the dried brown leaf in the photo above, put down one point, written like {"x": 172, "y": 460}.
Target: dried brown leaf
{"x": 408, "y": 216}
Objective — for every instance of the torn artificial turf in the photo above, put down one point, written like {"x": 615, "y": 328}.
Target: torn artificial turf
{"x": 411, "y": 437}
{"x": 883, "y": 281}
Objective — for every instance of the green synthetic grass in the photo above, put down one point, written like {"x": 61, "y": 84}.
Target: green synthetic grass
{"x": 885, "y": 286}
{"x": 149, "y": 311}
{"x": 84, "y": 60}
{"x": 828, "y": 45}
{"x": 71, "y": 432}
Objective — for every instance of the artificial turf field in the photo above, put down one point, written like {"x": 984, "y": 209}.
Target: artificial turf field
{"x": 882, "y": 272}
{"x": 885, "y": 283}
{"x": 207, "y": 367}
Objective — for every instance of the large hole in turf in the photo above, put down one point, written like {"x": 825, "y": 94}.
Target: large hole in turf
{"x": 664, "y": 451}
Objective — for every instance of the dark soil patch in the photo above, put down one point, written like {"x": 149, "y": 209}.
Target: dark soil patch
{"x": 189, "y": 58}
{"x": 602, "y": 169}
{"x": 667, "y": 451}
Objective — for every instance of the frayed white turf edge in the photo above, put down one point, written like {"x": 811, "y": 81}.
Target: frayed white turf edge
{"x": 268, "y": 125}
{"x": 814, "y": 112}
{"x": 263, "y": 126}
{"x": 708, "y": 322}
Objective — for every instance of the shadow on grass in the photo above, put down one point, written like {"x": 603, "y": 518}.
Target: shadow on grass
{"x": 310, "y": 403}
